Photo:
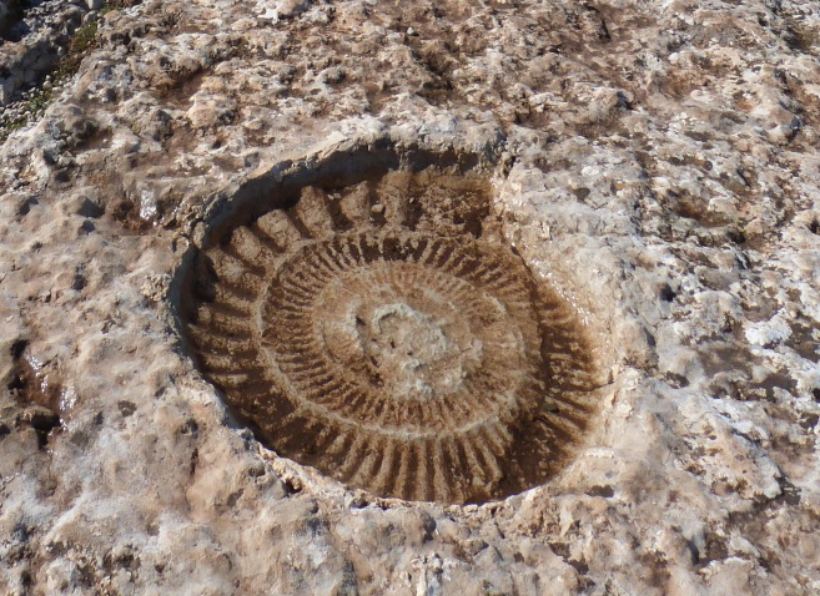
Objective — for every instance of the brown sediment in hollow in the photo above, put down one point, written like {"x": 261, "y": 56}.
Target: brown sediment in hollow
{"x": 383, "y": 332}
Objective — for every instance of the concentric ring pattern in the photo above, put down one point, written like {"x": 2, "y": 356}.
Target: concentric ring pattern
{"x": 381, "y": 334}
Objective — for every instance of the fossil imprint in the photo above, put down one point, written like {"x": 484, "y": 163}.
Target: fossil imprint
{"x": 383, "y": 334}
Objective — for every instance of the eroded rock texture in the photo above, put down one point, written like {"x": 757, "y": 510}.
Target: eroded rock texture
{"x": 647, "y": 169}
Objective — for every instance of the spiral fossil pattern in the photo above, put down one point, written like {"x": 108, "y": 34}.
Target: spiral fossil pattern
{"x": 380, "y": 335}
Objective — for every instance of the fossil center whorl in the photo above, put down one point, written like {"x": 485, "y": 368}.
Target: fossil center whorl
{"x": 385, "y": 334}
{"x": 408, "y": 351}
{"x": 420, "y": 334}
{"x": 412, "y": 355}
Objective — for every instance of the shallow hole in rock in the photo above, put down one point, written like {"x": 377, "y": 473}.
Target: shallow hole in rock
{"x": 666, "y": 293}
{"x": 37, "y": 398}
{"x": 406, "y": 350}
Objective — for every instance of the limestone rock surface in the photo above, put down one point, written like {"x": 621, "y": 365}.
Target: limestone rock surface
{"x": 656, "y": 162}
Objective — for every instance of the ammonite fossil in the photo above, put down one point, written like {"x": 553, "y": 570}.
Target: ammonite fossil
{"x": 385, "y": 334}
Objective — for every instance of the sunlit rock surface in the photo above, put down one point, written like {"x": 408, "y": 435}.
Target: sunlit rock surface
{"x": 655, "y": 163}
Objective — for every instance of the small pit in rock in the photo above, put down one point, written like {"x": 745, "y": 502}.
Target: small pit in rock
{"x": 36, "y": 399}
{"x": 372, "y": 322}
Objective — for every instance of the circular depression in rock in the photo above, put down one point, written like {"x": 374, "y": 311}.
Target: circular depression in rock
{"x": 384, "y": 333}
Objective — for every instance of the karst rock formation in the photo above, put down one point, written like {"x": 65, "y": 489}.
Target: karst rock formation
{"x": 359, "y": 297}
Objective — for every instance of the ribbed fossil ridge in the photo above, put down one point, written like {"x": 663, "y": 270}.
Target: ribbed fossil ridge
{"x": 385, "y": 340}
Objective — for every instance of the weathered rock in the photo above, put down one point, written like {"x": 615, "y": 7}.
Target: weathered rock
{"x": 34, "y": 44}
{"x": 655, "y": 163}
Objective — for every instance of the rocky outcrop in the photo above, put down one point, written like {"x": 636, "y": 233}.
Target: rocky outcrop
{"x": 34, "y": 37}
{"x": 654, "y": 164}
